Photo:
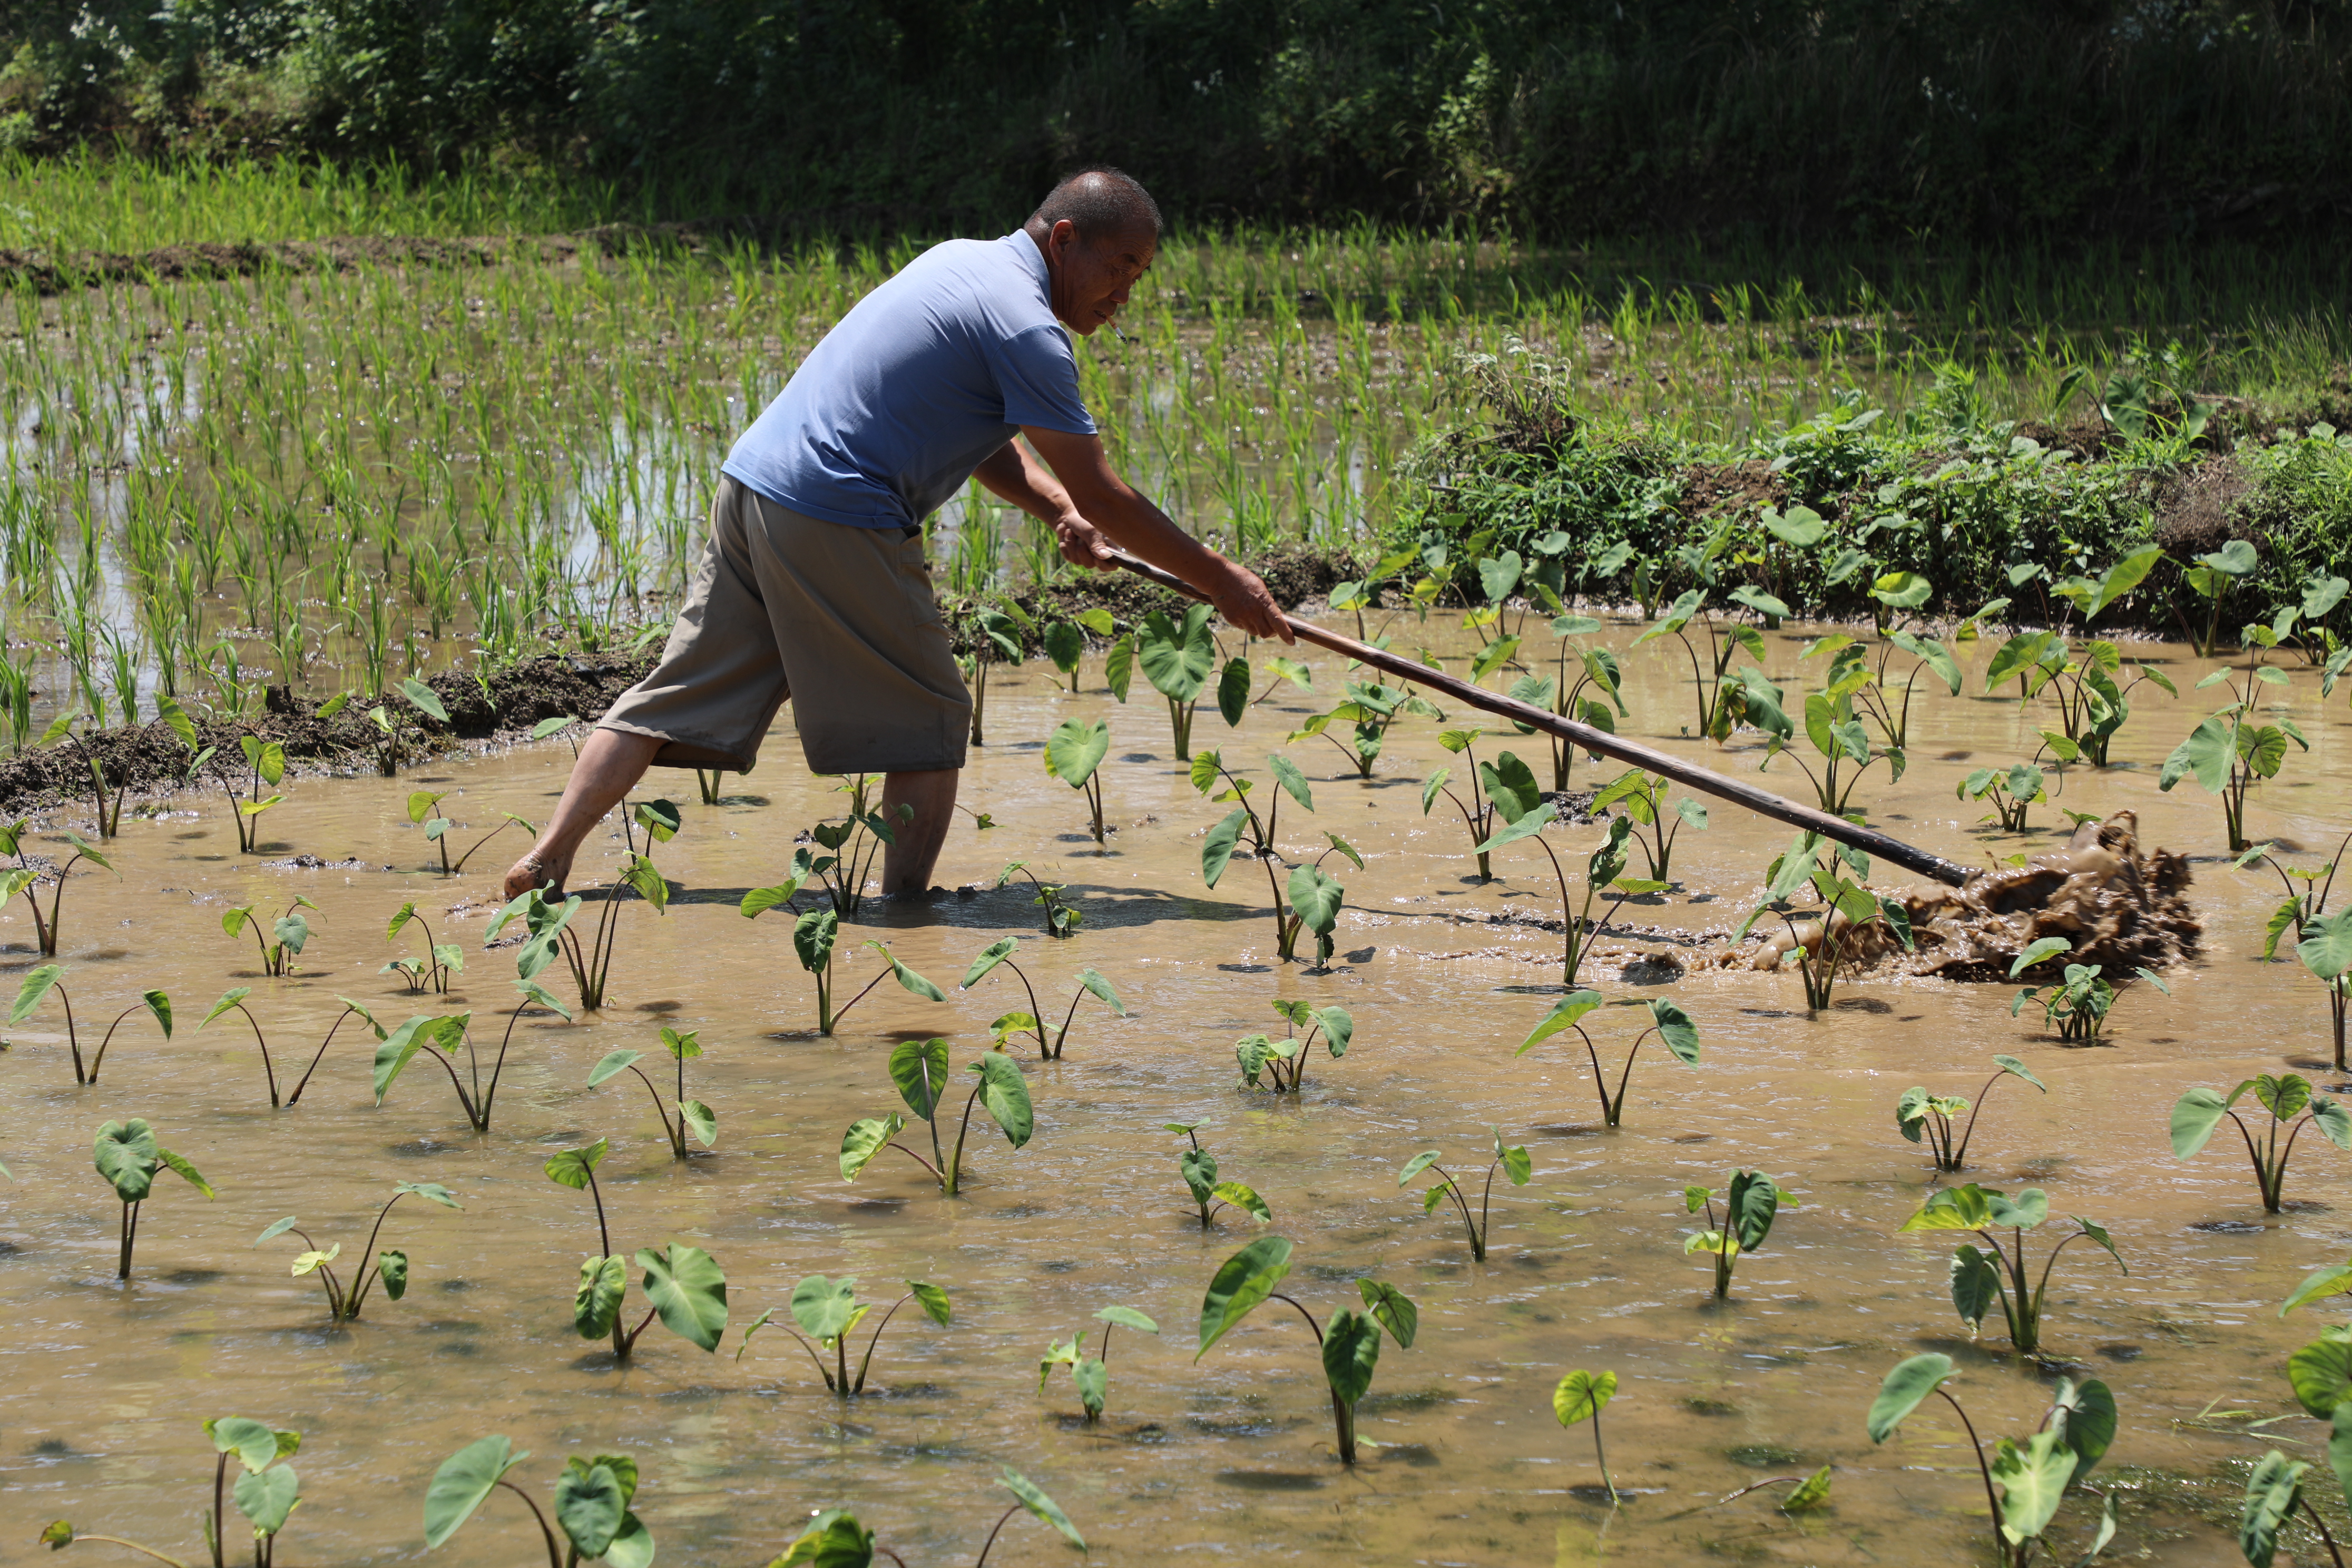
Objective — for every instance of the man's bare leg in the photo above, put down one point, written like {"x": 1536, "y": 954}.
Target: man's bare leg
{"x": 906, "y": 866}
{"x": 610, "y": 762}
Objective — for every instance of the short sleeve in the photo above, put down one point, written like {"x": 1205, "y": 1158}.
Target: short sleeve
{"x": 1038, "y": 377}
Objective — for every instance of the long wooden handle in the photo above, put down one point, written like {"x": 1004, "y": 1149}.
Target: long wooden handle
{"x": 1597, "y": 741}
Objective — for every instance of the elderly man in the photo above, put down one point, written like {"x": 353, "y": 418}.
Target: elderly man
{"x": 813, "y": 584}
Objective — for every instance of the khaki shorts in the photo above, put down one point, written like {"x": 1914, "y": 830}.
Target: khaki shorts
{"x": 841, "y": 620}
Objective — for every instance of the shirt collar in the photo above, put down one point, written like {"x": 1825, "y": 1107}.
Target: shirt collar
{"x": 1025, "y": 247}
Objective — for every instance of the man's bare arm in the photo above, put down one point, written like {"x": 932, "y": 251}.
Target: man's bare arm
{"x": 1099, "y": 502}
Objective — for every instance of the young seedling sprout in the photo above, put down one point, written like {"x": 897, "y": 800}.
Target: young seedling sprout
{"x": 1090, "y": 982}
{"x": 1283, "y": 1061}
{"x": 1351, "y": 1339}
{"x": 2077, "y": 1006}
{"x": 2287, "y": 1101}
{"x": 828, "y": 1311}
{"x": 834, "y": 1539}
{"x": 1311, "y": 900}
{"x": 234, "y": 998}
{"x": 1582, "y": 1397}
{"x": 437, "y": 828}
{"x": 438, "y": 1038}
{"x": 442, "y": 961}
{"x": 1514, "y": 1163}
{"x": 1604, "y": 868}
{"x": 2023, "y": 1482}
{"x": 692, "y": 1114}
{"x": 684, "y": 1283}
{"x": 25, "y": 877}
{"x": 127, "y": 1156}
{"x": 391, "y": 1265}
{"x": 1998, "y": 1275}
{"x": 1210, "y": 1194}
{"x": 1092, "y": 1372}
{"x": 920, "y": 1069}
{"x": 1749, "y": 1206}
{"x": 292, "y": 932}
{"x": 266, "y": 1492}
{"x": 1667, "y": 1021}
{"x": 1062, "y": 916}
{"x": 1920, "y": 1114}
{"x": 1074, "y": 754}
{"x": 591, "y": 1506}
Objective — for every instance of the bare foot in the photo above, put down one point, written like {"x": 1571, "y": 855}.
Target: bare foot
{"x": 537, "y": 869}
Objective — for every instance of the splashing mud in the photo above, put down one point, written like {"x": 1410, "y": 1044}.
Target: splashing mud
{"x": 2116, "y": 906}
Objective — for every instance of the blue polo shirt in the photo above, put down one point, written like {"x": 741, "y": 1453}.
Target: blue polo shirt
{"x": 923, "y": 379}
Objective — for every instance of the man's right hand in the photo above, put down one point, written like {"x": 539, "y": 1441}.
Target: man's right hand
{"x": 1244, "y": 601}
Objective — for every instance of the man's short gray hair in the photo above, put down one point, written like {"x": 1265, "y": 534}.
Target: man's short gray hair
{"x": 1101, "y": 203}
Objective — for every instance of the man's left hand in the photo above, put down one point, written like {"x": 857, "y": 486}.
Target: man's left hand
{"x": 1083, "y": 543}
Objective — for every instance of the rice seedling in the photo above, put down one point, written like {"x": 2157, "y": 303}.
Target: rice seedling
{"x": 828, "y": 1310}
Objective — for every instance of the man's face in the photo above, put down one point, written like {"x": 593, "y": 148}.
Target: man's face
{"x": 1091, "y": 280}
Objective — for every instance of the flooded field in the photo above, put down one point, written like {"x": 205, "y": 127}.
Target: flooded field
{"x": 1229, "y": 1457}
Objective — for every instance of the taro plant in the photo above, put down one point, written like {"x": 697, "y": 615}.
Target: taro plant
{"x": 850, "y": 846}
{"x": 231, "y": 1000}
{"x": 26, "y": 879}
{"x": 1582, "y": 1397}
{"x": 109, "y": 807}
{"x": 441, "y": 963}
{"x": 267, "y": 760}
{"x": 1199, "y": 1168}
{"x": 920, "y": 1069}
{"x": 1512, "y": 1162}
{"x": 1873, "y": 697}
{"x": 1090, "y": 984}
{"x": 351, "y": 1009}
{"x": 1351, "y": 1339}
{"x": 39, "y": 983}
{"x": 127, "y": 1156}
{"x": 1668, "y": 1022}
{"x": 693, "y": 1116}
{"x": 1934, "y": 1118}
{"x": 1599, "y": 672}
{"x": 1092, "y": 1372}
{"x": 1604, "y": 868}
{"x": 999, "y": 635}
{"x": 265, "y": 1491}
{"x": 1836, "y": 934}
{"x": 1063, "y": 917}
{"x": 548, "y": 926}
{"x": 2009, "y": 793}
{"x": 1506, "y": 788}
{"x": 2275, "y": 1494}
{"x": 292, "y": 932}
{"x": 828, "y": 1311}
{"x": 391, "y": 719}
{"x": 816, "y": 935}
{"x": 834, "y": 1539}
{"x": 1283, "y": 1061}
{"x": 391, "y": 1266}
{"x": 2326, "y": 951}
{"x": 684, "y": 1284}
{"x": 1642, "y": 798}
{"x": 1065, "y": 641}
{"x": 2230, "y": 751}
{"x": 1750, "y": 1205}
{"x": 1176, "y": 658}
{"x": 2023, "y": 1482}
{"x": 2078, "y": 1004}
{"x": 422, "y": 810}
{"x": 1311, "y": 899}
{"x": 2287, "y": 1103}
{"x": 1711, "y": 675}
{"x": 1836, "y": 733}
{"x": 1372, "y": 710}
{"x": 437, "y": 1039}
{"x": 1999, "y": 1274}
{"x": 592, "y": 1519}
{"x": 1074, "y": 754}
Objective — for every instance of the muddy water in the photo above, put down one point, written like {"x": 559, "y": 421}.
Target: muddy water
{"x": 1228, "y": 1459}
